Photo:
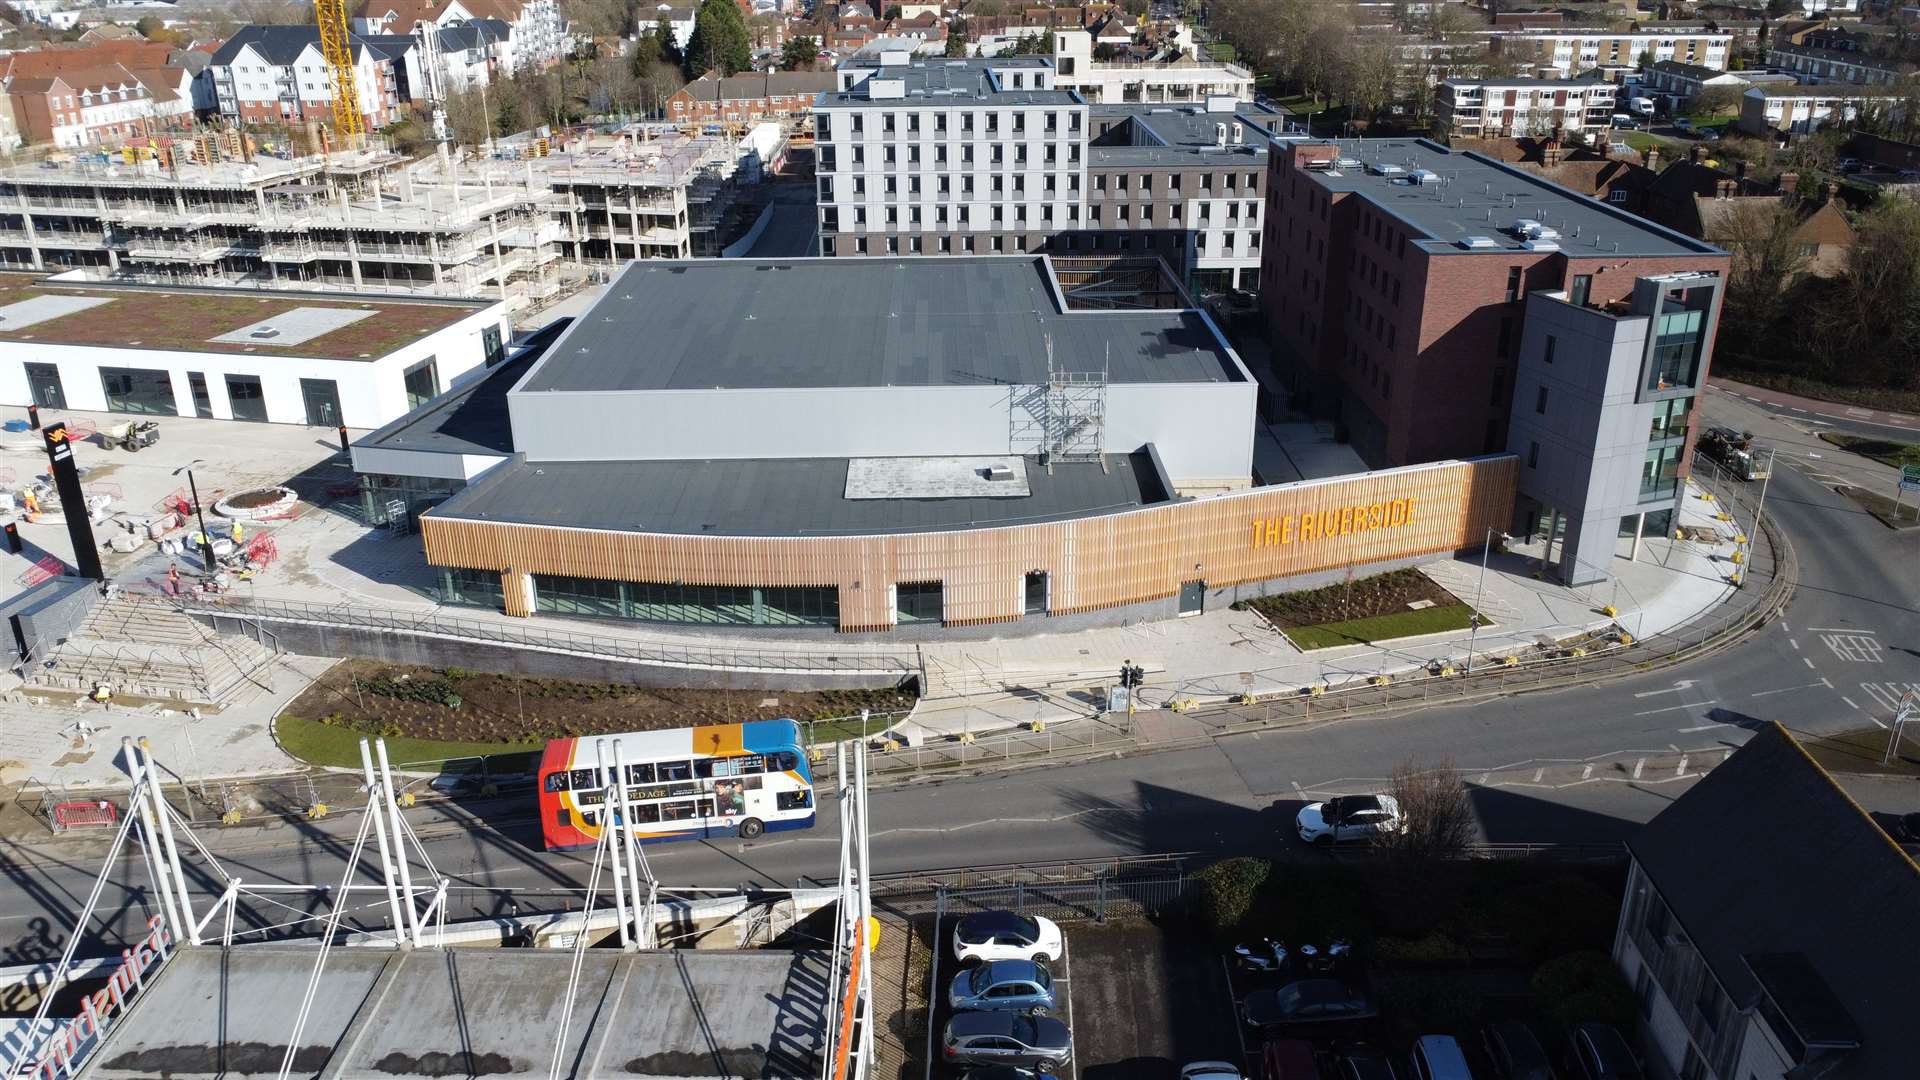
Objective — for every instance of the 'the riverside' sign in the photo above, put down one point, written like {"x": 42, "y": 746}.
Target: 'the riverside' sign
{"x": 1322, "y": 524}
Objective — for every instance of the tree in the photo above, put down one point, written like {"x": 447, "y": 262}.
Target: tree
{"x": 799, "y": 54}
{"x": 1106, "y": 51}
{"x": 1767, "y": 255}
{"x": 956, "y": 38}
{"x": 1714, "y": 100}
{"x": 148, "y": 26}
{"x": 663, "y": 44}
{"x": 891, "y": 13}
{"x": 1438, "y": 815}
{"x": 719, "y": 41}
{"x": 614, "y": 87}
{"x": 657, "y": 84}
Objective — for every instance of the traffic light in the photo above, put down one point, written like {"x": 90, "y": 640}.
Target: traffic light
{"x": 1132, "y": 674}
{"x": 13, "y": 537}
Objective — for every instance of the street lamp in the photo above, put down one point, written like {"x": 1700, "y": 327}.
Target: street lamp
{"x": 1479, "y": 593}
{"x": 206, "y": 541}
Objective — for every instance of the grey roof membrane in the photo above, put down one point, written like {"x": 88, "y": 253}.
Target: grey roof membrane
{"x": 943, "y": 82}
{"x": 927, "y": 321}
{"x": 1181, "y": 135}
{"x": 467, "y": 1012}
{"x": 471, "y": 419}
{"x": 780, "y": 497}
{"x": 1477, "y": 196}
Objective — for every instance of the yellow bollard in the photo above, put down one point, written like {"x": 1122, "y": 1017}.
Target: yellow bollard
{"x": 405, "y": 800}
{"x": 316, "y": 811}
{"x": 1381, "y": 680}
{"x": 231, "y": 817}
{"x": 965, "y": 738}
{"x": 1609, "y": 611}
{"x": 1316, "y": 691}
{"x": 1037, "y": 725}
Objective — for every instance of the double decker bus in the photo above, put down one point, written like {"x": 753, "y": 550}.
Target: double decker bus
{"x": 683, "y": 783}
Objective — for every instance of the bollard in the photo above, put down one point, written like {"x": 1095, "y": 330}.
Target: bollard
{"x": 345, "y": 448}
{"x": 33, "y": 417}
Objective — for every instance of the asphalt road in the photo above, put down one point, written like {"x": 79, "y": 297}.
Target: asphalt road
{"x": 1588, "y": 763}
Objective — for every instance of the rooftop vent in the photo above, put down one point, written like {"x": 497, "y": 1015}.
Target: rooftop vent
{"x": 265, "y": 332}
{"x": 1424, "y": 176}
{"x": 1383, "y": 168}
{"x": 1478, "y": 243}
{"x": 1349, "y": 163}
{"x": 1540, "y": 245}
{"x": 1527, "y": 227}
{"x": 997, "y": 472}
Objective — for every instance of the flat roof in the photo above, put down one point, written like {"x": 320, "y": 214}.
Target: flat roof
{"x": 1477, "y": 196}
{"x": 474, "y": 1012}
{"x": 219, "y": 320}
{"x": 1183, "y": 135}
{"x": 707, "y": 324}
{"x": 935, "y": 81}
{"x": 783, "y": 497}
{"x": 473, "y": 418}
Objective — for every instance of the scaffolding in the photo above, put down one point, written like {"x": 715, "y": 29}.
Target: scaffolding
{"x": 1062, "y": 419}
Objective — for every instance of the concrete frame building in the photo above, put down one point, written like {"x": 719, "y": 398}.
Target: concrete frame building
{"x": 1401, "y": 297}
{"x": 1512, "y": 108}
{"x": 1569, "y": 51}
{"x": 236, "y": 354}
{"x": 990, "y": 156}
{"x": 1107, "y": 82}
{"x": 873, "y": 445}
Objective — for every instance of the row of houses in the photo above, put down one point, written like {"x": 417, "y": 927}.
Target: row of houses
{"x": 107, "y": 92}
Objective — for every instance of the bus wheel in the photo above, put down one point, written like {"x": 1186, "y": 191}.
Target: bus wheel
{"x": 751, "y": 828}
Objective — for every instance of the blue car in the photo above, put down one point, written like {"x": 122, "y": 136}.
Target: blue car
{"x": 1003, "y": 986}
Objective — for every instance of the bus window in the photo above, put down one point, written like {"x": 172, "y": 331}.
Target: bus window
{"x": 794, "y": 800}
{"x": 640, "y": 774}
{"x": 563, "y": 818}
{"x": 706, "y": 767}
{"x": 556, "y": 781}
{"x": 784, "y": 761}
{"x": 703, "y": 807}
{"x": 751, "y": 783}
{"x": 683, "y": 810}
{"x": 584, "y": 779}
{"x": 675, "y": 770}
{"x": 646, "y": 814}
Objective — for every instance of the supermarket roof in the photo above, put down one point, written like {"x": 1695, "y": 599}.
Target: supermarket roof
{"x": 719, "y": 324}
{"x": 474, "y": 1012}
{"x": 221, "y": 320}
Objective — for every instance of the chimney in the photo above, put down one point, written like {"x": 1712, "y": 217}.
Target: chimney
{"x": 1653, "y": 158}
{"x": 1789, "y": 183}
{"x": 1723, "y": 189}
{"x": 1553, "y": 152}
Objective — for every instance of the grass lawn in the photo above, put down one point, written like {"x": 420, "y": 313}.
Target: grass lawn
{"x": 1401, "y": 624}
{"x": 326, "y": 744}
{"x": 1885, "y": 451}
{"x": 827, "y": 732}
{"x": 1902, "y": 515}
{"x": 1860, "y": 751}
{"x": 1640, "y": 140}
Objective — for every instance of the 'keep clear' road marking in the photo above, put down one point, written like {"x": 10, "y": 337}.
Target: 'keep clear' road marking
{"x": 1888, "y": 695}
{"x": 1854, "y": 648}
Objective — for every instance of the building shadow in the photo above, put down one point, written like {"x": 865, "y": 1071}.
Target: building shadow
{"x": 1515, "y": 816}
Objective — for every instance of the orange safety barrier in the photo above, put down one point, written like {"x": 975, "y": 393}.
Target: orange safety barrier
{"x": 83, "y": 815}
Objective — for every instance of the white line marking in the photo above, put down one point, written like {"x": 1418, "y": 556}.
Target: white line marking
{"x": 1676, "y": 708}
{"x": 1702, "y": 727}
{"x": 1788, "y": 689}
{"x": 1826, "y": 682}
{"x": 1296, "y": 789}
{"x": 1794, "y": 643}
{"x": 1674, "y": 689}
{"x": 1586, "y": 773}
{"x": 1482, "y": 780}
{"x": 1797, "y": 409}
{"x": 1839, "y": 630}
{"x": 1784, "y": 627}
{"x": 1681, "y": 769}
{"x": 1809, "y": 661}
{"x": 1877, "y": 720}
{"x": 1850, "y": 703}
{"x": 1537, "y": 774}
{"x": 1638, "y": 766}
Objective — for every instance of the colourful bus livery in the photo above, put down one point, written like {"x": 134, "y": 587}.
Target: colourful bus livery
{"x": 684, "y": 783}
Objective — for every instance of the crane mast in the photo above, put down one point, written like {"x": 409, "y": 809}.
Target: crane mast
{"x": 338, "y": 51}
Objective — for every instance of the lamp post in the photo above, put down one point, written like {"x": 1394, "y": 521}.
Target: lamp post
{"x": 206, "y": 541}
{"x": 1473, "y": 635}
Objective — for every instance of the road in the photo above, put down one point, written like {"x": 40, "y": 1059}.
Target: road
{"x": 790, "y": 233}
{"x": 1587, "y": 763}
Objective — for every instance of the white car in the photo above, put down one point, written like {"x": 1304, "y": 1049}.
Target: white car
{"x": 1210, "y": 1070}
{"x": 1002, "y": 935}
{"x": 1349, "y": 817}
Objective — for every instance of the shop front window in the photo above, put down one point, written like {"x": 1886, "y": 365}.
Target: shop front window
{"x": 138, "y": 390}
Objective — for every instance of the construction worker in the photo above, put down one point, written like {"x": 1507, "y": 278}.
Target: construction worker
{"x": 173, "y": 579}
{"x": 103, "y": 694}
{"x": 32, "y": 502}
{"x": 237, "y": 533}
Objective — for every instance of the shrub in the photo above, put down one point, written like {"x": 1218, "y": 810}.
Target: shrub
{"x": 1566, "y": 913}
{"x": 457, "y": 673}
{"x": 1227, "y": 891}
{"x": 432, "y": 691}
{"x": 1583, "y": 986}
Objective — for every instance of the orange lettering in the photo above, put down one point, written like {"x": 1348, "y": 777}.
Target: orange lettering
{"x": 1346, "y": 520}
{"x": 1309, "y": 525}
{"x": 1286, "y": 529}
{"x": 1273, "y": 532}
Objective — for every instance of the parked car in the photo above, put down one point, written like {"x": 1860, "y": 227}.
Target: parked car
{"x": 1002, "y": 935}
{"x": 1306, "y": 1001}
{"x": 1515, "y": 1053}
{"x": 1366, "y": 1063}
{"x": 1599, "y": 1053}
{"x": 1439, "y": 1057}
{"x": 1906, "y": 828}
{"x": 1288, "y": 1059}
{"x": 1850, "y": 165}
{"x": 1002, "y": 986}
{"x": 1349, "y": 817}
{"x": 1210, "y": 1070}
{"x": 1002, "y": 1038}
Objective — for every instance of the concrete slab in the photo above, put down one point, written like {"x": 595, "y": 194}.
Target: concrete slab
{"x": 39, "y": 309}
{"x": 294, "y": 326}
{"x": 937, "y": 478}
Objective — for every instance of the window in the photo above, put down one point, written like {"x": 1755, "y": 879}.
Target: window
{"x": 1670, "y": 418}
{"x": 919, "y": 601}
{"x": 1547, "y": 355}
{"x": 422, "y": 382}
{"x": 1513, "y": 285}
{"x": 1533, "y": 455}
{"x": 1540, "y": 403}
{"x": 491, "y": 343}
{"x": 1506, "y": 337}
{"x": 1582, "y": 285}
{"x": 139, "y": 390}
{"x": 1676, "y": 351}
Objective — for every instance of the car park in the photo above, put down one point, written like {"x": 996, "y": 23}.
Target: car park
{"x": 1349, "y": 817}
{"x": 1004, "y": 1038}
{"x": 1002, "y": 986}
{"x": 1515, "y": 1054}
{"x": 1439, "y": 1057}
{"x": 1004, "y": 1072}
{"x": 1002, "y": 935}
{"x": 1210, "y": 1070}
{"x": 1599, "y": 1053}
{"x": 1366, "y": 1063}
{"x": 1289, "y": 1059}
{"x": 1306, "y": 1001}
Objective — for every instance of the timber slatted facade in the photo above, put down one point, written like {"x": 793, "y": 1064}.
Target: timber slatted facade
{"x": 1095, "y": 562}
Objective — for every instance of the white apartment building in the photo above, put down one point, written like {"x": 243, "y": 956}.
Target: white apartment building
{"x": 937, "y": 156}
{"x": 1568, "y": 52}
{"x": 276, "y": 74}
{"x": 1836, "y": 65}
{"x": 1102, "y": 82}
{"x": 1798, "y": 109}
{"x": 1512, "y": 108}
{"x": 537, "y": 31}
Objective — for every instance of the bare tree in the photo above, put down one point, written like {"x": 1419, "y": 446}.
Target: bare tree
{"x": 1762, "y": 235}
{"x": 1438, "y": 814}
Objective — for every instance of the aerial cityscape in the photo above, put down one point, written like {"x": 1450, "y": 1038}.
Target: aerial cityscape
{"x": 960, "y": 540}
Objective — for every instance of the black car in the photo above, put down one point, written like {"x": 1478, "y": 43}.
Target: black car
{"x": 1307, "y": 1001}
{"x": 1906, "y": 828}
{"x": 1366, "y": 1063}
{"x": 994, "y": 1038}
{"x": 1599, "y": 1053}
{"x": 1515, "y": 1053}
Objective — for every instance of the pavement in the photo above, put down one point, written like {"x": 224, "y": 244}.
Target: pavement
{"x": 795, "y": 223}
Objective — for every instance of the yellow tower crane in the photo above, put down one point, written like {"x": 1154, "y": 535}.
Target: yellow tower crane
{"x": 338, "y": 50}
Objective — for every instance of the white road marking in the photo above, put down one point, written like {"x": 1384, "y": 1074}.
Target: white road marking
{"x": 1826, "y": 682}
{"x": 1839, "y": 630}
{"x": 1681, "y": 769}
{"x": 1855, "y": 647}
{"x": 1797, "y": 409}
{"x": 1702, "y": 727}
{"x": 1850, "y": 703}
{"x": 1674, "y": 689}
{"x": 1809, "y": 662}
{"x": 1638, "y": 766}
{"x": 1538, "y": 773}
{"x": 1788, "y": 689}
{"x": 1794, "y": 643}
{"x": 1676, "y": 708}
{"x": 1586, "y": 773}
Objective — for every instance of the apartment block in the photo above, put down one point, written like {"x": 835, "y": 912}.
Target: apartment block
{"x": 1108, "y": 82}
{"x": 990, "y": 156}
{"x": 81, "y": 106}
{"x": 1850, "y": 65}
{"x": 277, "y": 75}
{"x": 748, "y": 98}
{"x": 537, "y": 31}
{"x": 1416, "y": 295}
{"x": 1513, "y": 108}
{"x": 1571, "y": 51}
{"x": 1799, "y": 109}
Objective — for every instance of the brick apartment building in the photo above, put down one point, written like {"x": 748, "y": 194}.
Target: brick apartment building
{"x": 1419, "y": 296}
{"x": 767, "y": 95}
{"x": 88, "y": 106}
{"x": 1508, "y": 108}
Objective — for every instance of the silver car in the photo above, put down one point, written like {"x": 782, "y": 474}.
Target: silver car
{"x": 999, "y": 1038}
{"x": 1003, "y": 986}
